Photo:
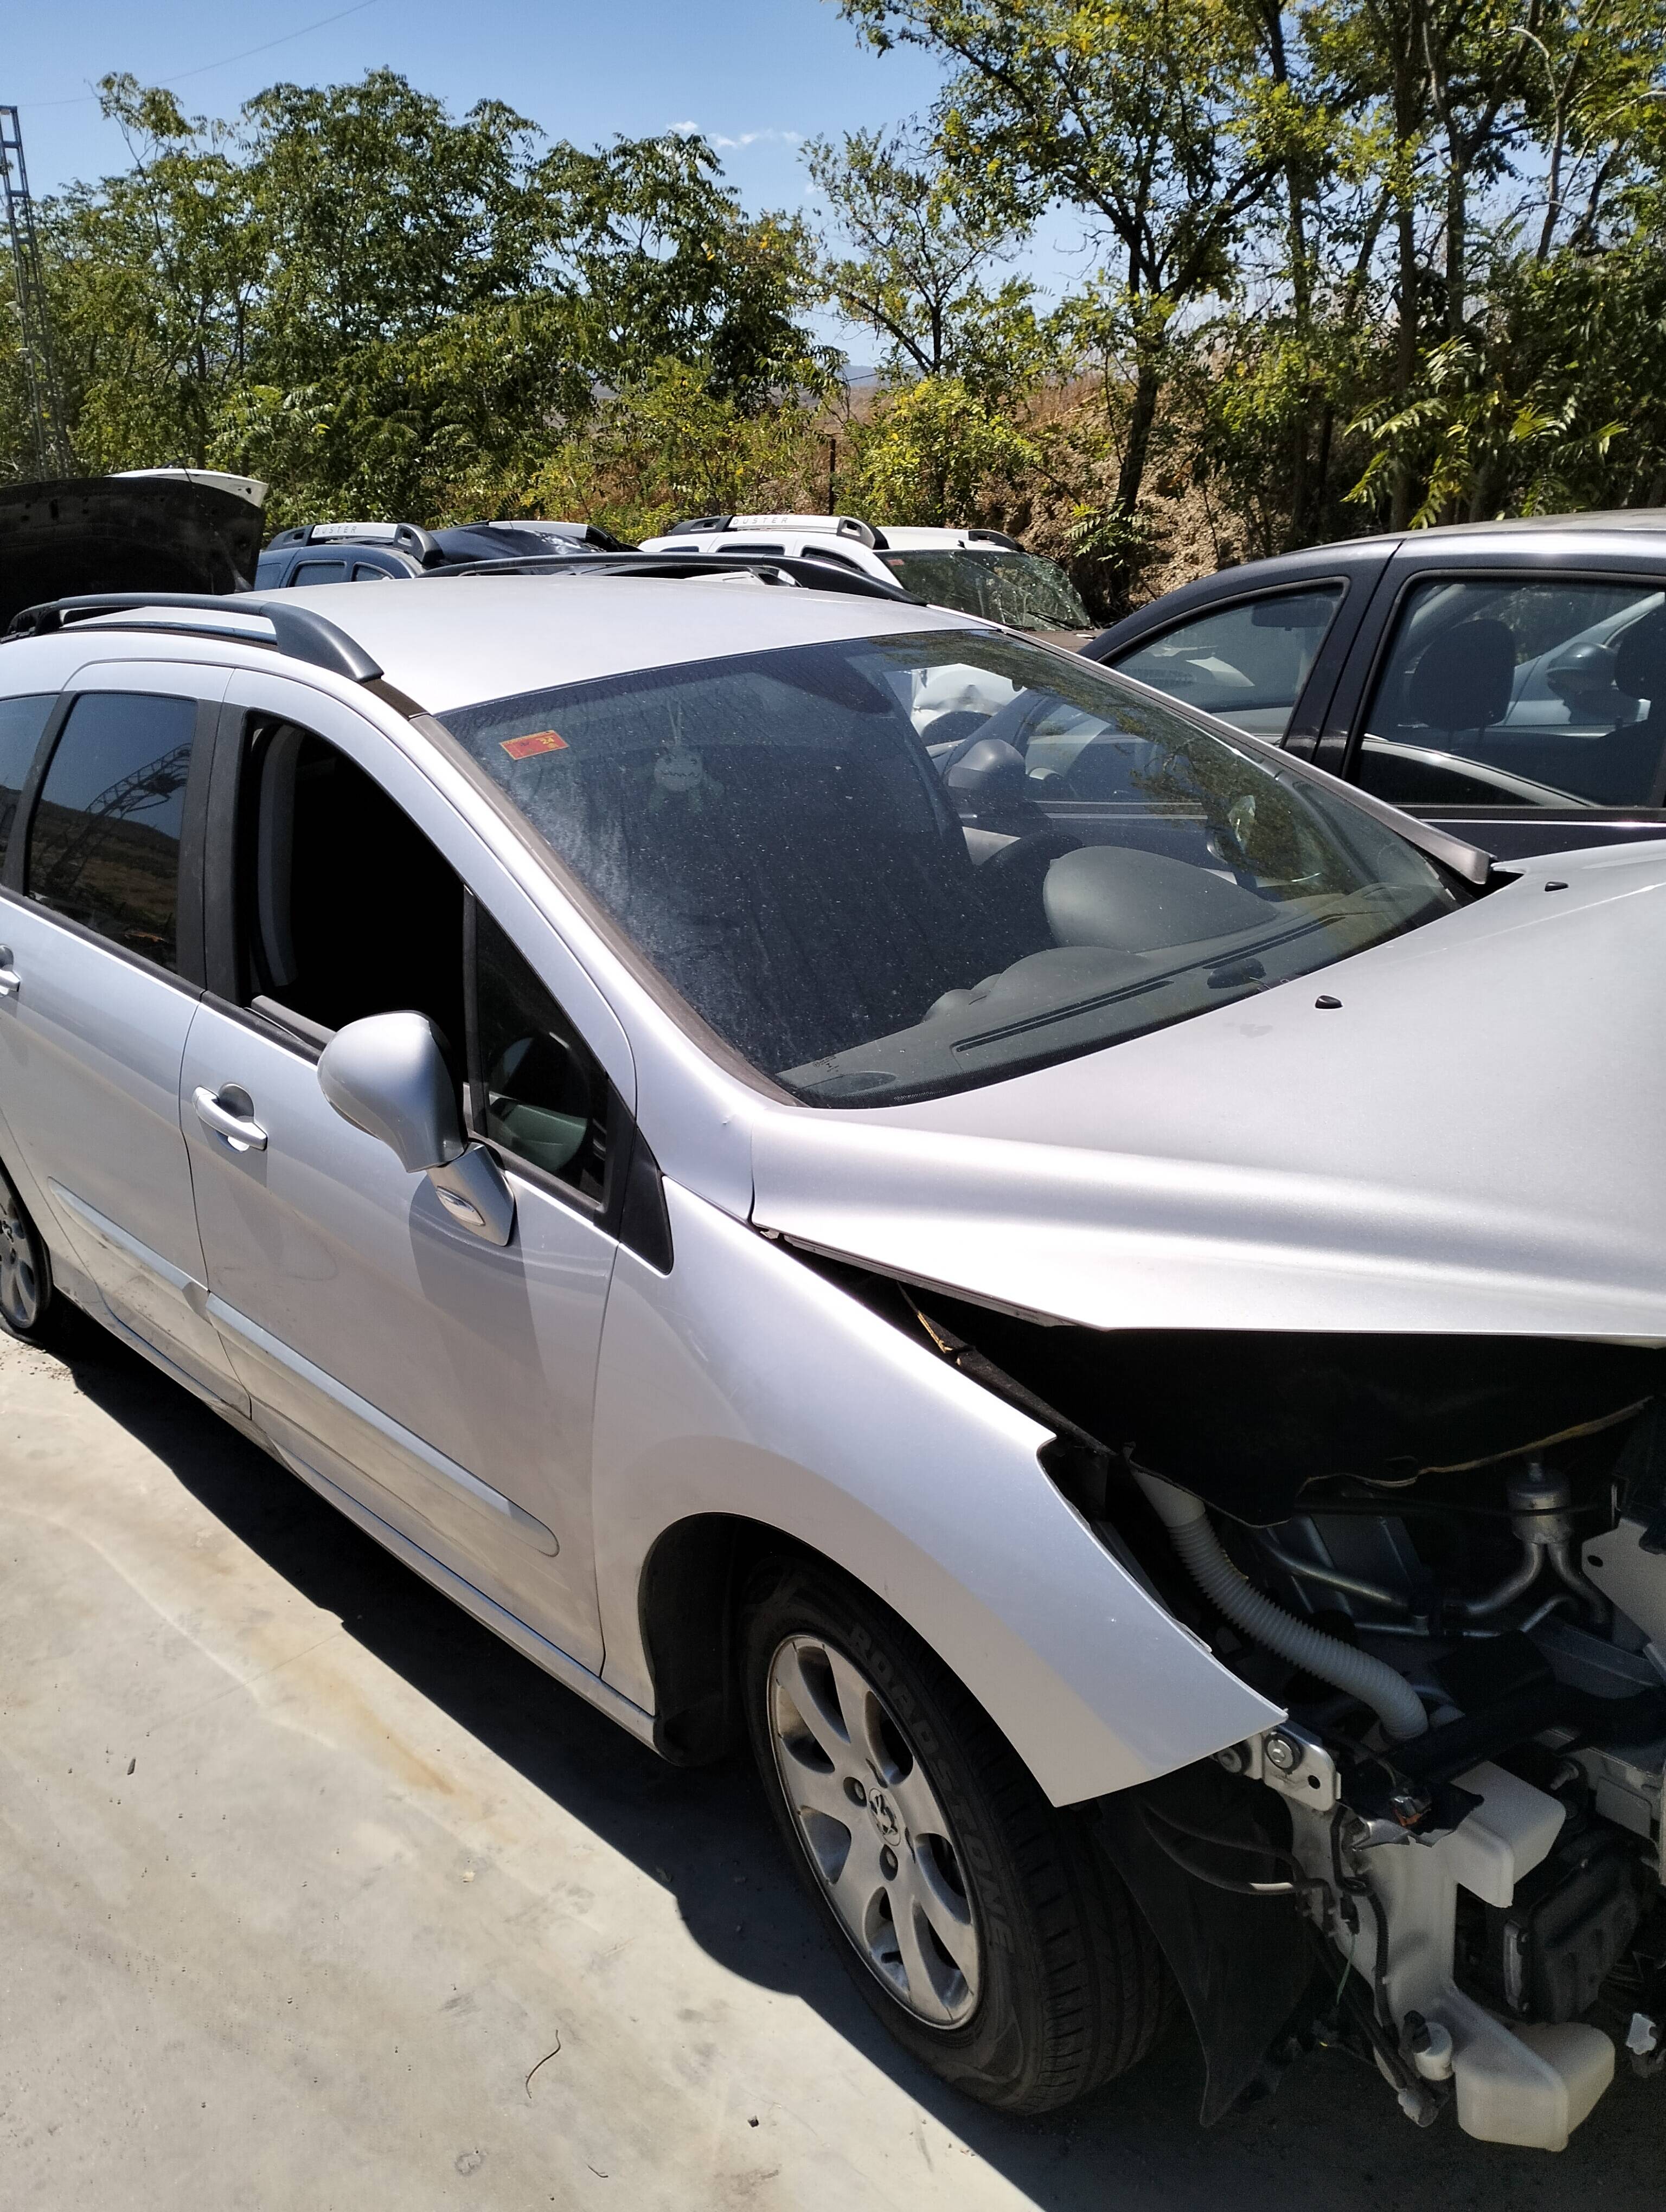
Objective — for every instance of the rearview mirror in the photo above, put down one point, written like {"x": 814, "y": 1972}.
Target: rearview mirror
{"x": 387, "y": 1076}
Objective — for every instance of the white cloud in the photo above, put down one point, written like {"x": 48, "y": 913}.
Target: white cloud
{"x": 770, "y": 136}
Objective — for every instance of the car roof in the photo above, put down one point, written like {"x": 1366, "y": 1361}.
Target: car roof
{"x": 1649, "y": 520}
{"x": 458, "y": 640}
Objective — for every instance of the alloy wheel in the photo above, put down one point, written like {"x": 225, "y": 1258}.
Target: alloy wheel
{"x": 874, "y": 1831}
{"x": 20, "y": 1264}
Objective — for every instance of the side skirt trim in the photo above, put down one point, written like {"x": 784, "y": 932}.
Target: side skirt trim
{"x": 549, "y": 1657}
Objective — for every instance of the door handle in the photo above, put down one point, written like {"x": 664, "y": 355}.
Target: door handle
{"x": 230, "y": 1115}
{"x": 10, "y": 982}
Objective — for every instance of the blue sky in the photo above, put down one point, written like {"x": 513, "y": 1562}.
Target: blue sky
{"x": 758, "y": 76}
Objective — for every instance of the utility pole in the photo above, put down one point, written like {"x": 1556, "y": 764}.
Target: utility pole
{"x": 52, "y": 453}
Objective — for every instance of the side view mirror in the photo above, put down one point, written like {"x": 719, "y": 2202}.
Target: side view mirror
{"x": 387, "y": 1076}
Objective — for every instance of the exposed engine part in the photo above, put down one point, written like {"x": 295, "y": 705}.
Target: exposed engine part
{"x": 1540, "y": 1514}
{"x": 1644, "y": 2045}
{"x": 1529, "y": 2084}
{"x": 1291, "y": 1760}
{"x": 1625, "y": 1565}
{"x": 1333, "y": 1578}
{"x": 1430, "y": 2043}
{"x": 1626, "y": 1789}
{"x": 1546, "y": 1955}
{"x": 1373, "y": 1681}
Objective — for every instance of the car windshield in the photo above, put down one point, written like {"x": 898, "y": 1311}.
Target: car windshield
{"x": 874, "y": 896}
{"x": 1020, "y": 589}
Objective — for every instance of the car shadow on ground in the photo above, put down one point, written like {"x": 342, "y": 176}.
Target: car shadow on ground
{"x": 1331, "y": 2137}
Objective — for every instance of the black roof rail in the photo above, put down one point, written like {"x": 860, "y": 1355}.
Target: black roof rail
{"x": 808, "y": 573}
{"x": 994, "y": 537}
{"x": 296, "y": 631}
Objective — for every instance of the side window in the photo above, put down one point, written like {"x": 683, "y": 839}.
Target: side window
{"x": 364, "y": 572}
{"x": 346, "y": 907}
{"x": 1246, "y": 663}
{"x": 1503, "y": 693}
{"x": 104, "y": 845}
{"x": 321, "y": 572}
{"x": 22, "y": 721}
{"x": 535, "y": 1089}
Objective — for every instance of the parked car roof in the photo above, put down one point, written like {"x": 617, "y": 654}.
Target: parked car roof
{"x": 466, "y": 638}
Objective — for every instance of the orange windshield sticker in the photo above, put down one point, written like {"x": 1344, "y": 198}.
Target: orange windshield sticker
{"x": 540, "y": 741}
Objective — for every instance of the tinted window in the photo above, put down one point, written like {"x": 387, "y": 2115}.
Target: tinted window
{"x": 537, "y": 1091}
{"x": 363, "y": 573}
{"x": 321, "y": 572}
{"x": 1246, "y": 663}
{"x": 104, "y": 848}
{"x": 771, "y": 831}
{"x": 22, "y": 721}
{"x": 1501, "y": 693}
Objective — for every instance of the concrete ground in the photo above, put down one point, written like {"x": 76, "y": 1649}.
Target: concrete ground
{"x": 313, "y": 1894}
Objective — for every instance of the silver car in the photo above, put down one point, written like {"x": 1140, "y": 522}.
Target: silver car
{"x": 1115, "y": 1338}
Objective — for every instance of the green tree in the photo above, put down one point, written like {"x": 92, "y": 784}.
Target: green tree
{"x": 923, "y": 250}
{"x": 937, "y": 453}
{"x": 155, "y": 277}
{"x": 668, "y": 445}
{"x": 655, "y": 259}
{"x": 388, "y": 310}
{"x": 1158, "y": 124}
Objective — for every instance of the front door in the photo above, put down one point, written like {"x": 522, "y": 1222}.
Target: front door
{"x": 444, "y": 1382}
{"x": 107, "y": 952}
{"x": 1521, "y": 709}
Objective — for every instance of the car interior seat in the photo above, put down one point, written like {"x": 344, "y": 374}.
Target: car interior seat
{"x": 1628, "y": 763}
{"x": 1462, "y": 681}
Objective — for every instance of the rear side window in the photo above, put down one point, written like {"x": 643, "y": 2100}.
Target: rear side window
{"x": 1246, "y": 663}
{"x": 22, "y": 721}
{"x": 104, "y": 846}
{"x": 321, "y": 572}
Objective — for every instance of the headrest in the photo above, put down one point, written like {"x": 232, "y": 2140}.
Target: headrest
{"x": 1639, "y": 662}
{"x": 1463, "y": 680}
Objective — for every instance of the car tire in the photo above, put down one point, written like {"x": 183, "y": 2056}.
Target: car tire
{"x": 26, "y": 1270}
{"x": 977, "y": 1920}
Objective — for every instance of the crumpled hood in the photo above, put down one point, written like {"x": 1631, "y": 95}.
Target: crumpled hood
{"x": 1475, "y": 1141}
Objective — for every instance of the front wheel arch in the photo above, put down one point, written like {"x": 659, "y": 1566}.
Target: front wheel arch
{"x": 689, "y": 1601}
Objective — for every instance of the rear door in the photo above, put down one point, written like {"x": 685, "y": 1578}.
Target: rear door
{"x": 101, "y": 922}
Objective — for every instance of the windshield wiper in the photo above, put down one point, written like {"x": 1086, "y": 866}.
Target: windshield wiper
{"x": 1232, "y": 966}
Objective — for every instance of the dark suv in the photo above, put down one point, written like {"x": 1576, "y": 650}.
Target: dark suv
{"x": 370, "y": 552}
{"x": 1507, "y": 679}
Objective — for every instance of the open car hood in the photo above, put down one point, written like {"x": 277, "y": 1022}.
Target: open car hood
{"x": 162, "y": 531}
{"x": 1473, "y": 1142}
